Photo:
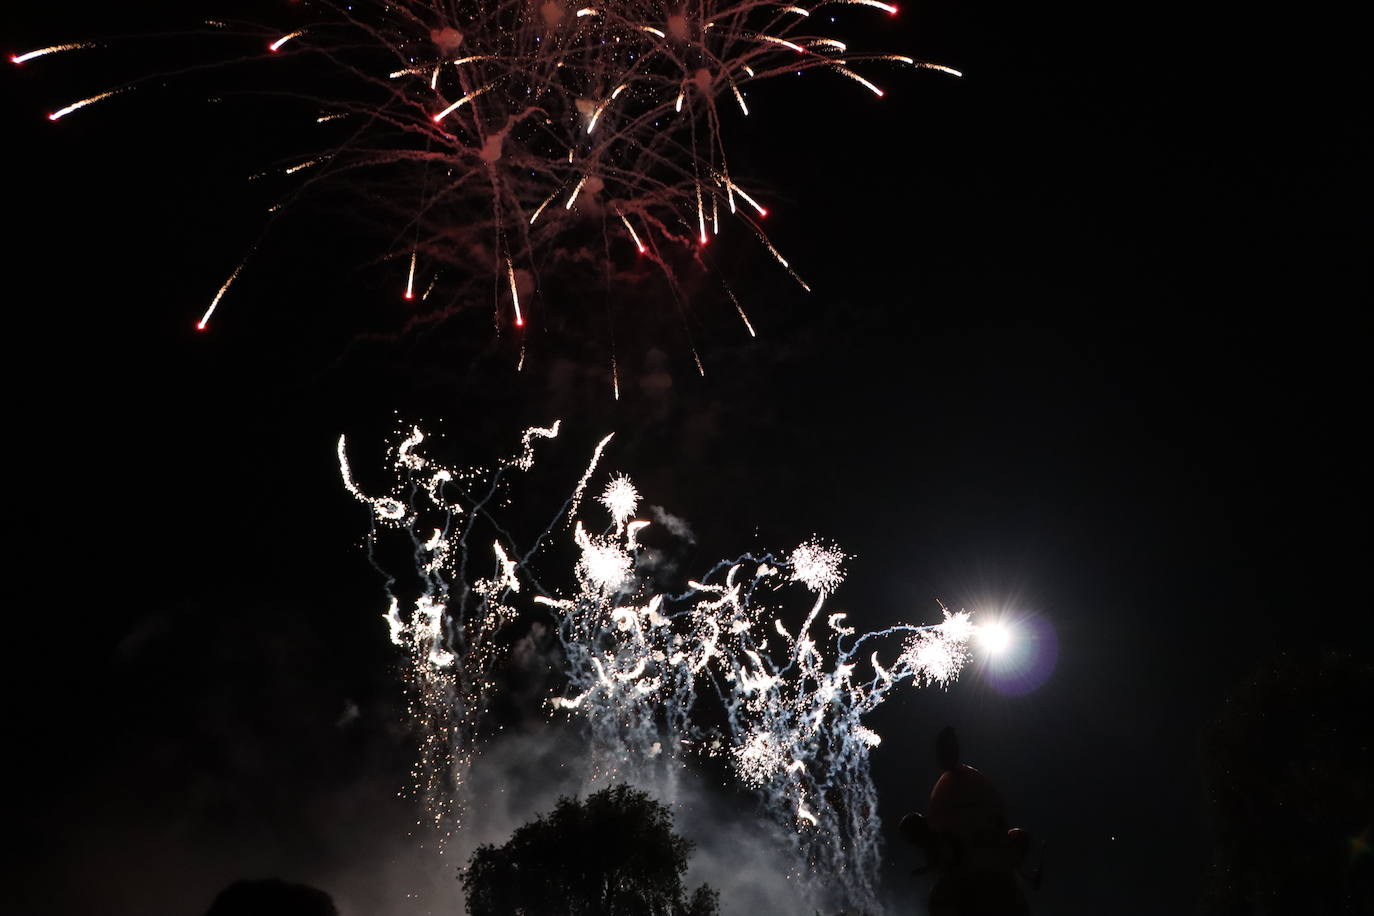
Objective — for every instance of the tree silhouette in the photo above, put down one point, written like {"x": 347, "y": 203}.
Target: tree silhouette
{"x": 271, "y": 897}
{"x": 1290, "y": 761}
{"x": 613, "y": 855}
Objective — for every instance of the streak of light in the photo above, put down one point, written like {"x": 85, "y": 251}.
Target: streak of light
{"x": 782, "y": 41}
{"x": 514, "y": 295}
{"x": 572, "y": 197}
{"x": 540, "y": 209}
{"x": 859, "y": 79}
{"x": 461, "y": 102}
{"x": 214, "y": 303}
{"x": 753, "y": 203}
{"x": 276, "y": 45}
{"x": 51, "y": 49}
{"x": 740, "y": 98}
{"x": 76, "y": 106}
{"x": 633, "y": 235}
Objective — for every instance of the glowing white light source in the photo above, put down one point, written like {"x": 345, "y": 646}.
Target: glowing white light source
{"x": 996, "y": 637}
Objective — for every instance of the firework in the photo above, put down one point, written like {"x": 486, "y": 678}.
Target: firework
{"x": 789, "y": 694}
{"x": 466, "y": 120}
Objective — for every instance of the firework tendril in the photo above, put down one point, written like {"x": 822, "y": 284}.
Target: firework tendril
{"x": 720, "y": 670}
{"x": 507, "y": 138}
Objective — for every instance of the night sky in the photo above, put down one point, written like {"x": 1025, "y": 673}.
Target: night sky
{"x": 1088, "y": 343}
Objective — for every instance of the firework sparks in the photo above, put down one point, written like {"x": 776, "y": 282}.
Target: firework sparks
{"x": 276, "y": 46}
{"x": 77, "y": 106}
{"x": 54, "y": 49}
{"x": 638, "y": 660}
{"x": 214, "y": 303}
{"x": 477, "y": 122}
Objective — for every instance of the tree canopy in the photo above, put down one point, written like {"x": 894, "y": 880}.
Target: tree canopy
{"x": 614, "y": 854}
{"x": 1289, "y": 762}
{"x": 271, "y": 897}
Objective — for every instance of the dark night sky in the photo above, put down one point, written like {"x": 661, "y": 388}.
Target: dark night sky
{"x": 1088, "y": 339}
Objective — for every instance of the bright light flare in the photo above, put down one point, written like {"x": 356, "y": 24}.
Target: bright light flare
{"x": 996, "y": 637}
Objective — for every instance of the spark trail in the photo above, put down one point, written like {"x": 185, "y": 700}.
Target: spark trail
{"x": 463, "y": 121}
{"x": 722, "y": 669}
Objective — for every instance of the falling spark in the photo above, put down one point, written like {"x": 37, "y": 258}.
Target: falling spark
{"x": 745, "y": 318}
{"x": 76, "y": 106}
{"x": 942, "y": 68}
{"x": 701, "y": 217}
{"x": 633, "y": 234}
{"x": 540, "y": 209}
{"x": 410, "y": 278}
{"x": 572, "y": 197}
{"x": 749, "y": 200}
{"x": 885, "y": 7}
{"x": 599, "y": 109}
{"x": 276, "y": 45}
{"x": 214, "y": 303}
{"x": 460, "y": 103}
{"x": 53, "y": 49}
{"x": 781, "y": 41}
{"x": 742, "y": 107}
{"x": 514, "y": 295}
{"x": 859, "y": 79}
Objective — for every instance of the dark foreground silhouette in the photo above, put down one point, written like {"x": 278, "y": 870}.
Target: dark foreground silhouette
{"x": 613, "y": 855}
{"x": 976, "y": 857}
{"x": 271, "y": 897}
{"x": 1290, "y": 775}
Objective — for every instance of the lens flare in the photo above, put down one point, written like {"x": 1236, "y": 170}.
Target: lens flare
{"x": 995, "y": 637}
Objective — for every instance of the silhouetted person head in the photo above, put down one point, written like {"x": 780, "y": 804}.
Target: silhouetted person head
{"x": 976, "y": 859}
{"x": 271, "y": 897}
